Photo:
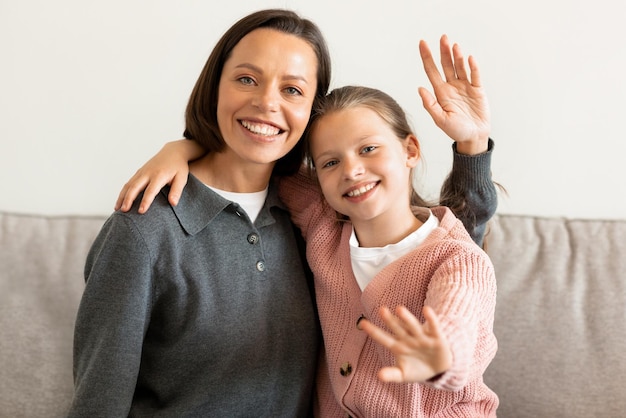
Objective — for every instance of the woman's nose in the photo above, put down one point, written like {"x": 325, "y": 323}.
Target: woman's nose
{"x": 266, "y": 100}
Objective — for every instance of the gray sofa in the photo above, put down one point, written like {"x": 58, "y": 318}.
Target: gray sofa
{"x": 560, "y": 316}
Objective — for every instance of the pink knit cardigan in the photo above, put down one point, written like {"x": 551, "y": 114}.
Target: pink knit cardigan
{"x": 448, "y": 272}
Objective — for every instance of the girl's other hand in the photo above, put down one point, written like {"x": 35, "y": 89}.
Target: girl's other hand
{"x": 421, "y": 350}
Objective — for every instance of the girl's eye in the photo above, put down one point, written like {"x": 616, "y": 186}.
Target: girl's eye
{"x": 292, "y": 91}
{"x": 329, "y": 164}
{"x": 368, "y": 148}
{"x": 246, "y": 80}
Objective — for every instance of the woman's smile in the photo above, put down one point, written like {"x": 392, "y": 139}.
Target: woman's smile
{"x": 263, "y": 129}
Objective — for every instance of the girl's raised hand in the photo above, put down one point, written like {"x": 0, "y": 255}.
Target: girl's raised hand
{"x": 459, "y": 105}
{"x": 421, "y": 350}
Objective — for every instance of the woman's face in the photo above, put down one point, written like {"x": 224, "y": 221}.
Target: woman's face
{"x": 266, "y": 92}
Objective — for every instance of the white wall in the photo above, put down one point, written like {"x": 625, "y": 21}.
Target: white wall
{"x": 90, "y": 89}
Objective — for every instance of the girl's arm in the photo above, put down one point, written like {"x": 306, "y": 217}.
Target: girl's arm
{"x": 455, "y": 343}
{"x": 169, "y": 166}
{"x": 470, "y": 192}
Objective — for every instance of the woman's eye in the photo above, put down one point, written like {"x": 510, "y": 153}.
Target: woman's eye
{"x": 246, "y": 80}
{"x": 292, "y": 91}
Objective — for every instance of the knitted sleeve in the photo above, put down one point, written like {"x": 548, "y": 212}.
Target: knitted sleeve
{"x": 111, "y": 321}
{"x": 303, "y": 197}
{"x": 470, "y": 192}
{"x": 462, "y": 292}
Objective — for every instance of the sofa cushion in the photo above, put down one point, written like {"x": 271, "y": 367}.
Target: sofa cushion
{"x": 41, "y": 282}
{"x": 560, "y": 317}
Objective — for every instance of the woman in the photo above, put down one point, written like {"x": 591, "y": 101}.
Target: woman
{"x": 203, "y": 309}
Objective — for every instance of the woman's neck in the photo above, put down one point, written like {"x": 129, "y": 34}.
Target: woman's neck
{"x": 217, "y": 170}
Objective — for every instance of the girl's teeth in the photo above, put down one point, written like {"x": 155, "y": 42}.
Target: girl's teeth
{"x": 360, "y": 190}
{"x": 260, "y": 129}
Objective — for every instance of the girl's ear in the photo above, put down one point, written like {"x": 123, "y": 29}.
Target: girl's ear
{"x": 412, "y": 147}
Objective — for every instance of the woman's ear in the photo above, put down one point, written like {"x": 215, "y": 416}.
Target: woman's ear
{"x": 412, "y": 147}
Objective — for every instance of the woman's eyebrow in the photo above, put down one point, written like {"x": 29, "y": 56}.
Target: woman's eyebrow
{"x": 259, "y": 70}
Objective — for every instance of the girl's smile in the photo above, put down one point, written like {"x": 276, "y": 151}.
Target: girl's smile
{"x": 361, "y": 191}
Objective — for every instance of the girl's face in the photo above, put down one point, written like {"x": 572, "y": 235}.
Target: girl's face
{"x": 362, "y": 166}
{"x": 266, "y": 91}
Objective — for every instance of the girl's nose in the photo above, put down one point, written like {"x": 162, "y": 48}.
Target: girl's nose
{"x": 352, "y": 168}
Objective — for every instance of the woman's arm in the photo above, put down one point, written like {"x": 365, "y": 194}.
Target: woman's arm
{"x": 111, "y": 321}
{"x": 169, "y": 166}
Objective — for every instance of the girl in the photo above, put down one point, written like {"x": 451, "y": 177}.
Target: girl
{"x": 386, "y": 252}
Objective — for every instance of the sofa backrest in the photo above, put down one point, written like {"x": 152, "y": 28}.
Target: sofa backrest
{"x": 41, "y": 282}
{"x": 560, "y": 317}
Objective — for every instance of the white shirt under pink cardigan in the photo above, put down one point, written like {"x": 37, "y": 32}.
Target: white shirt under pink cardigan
{"x": 448, "y": 272}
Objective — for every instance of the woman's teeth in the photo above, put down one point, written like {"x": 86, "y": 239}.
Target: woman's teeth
{"x": 260, "y": 128}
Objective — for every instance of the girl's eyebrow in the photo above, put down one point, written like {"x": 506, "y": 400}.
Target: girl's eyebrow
{"x": 259, "y": 70}
{"x": 321, "y": 154}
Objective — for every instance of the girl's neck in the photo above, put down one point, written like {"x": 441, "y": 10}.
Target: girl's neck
{"x": 387, "y": 229}
{"x": 217, "y": 170}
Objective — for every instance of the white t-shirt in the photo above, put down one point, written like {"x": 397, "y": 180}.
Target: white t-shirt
{"x": 252, "y": 203}
{"x": 368, "y": 262}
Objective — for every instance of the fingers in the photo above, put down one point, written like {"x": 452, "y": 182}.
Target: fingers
{"x": 475, "y": 80}
{"x": 432, "y": 106}
{"x": 431, "y": 321}
{"x": 176, "y": 189}
{"x": 452, "y": 63}
{"x": 447, "y": 64}
{"x": 403, "y": 326}
{"x": 120, "y": 200}
{"x": 148, "y": 197}
{"x": 395, "y": 323}
{"x": 151, "y": 188}
{"x": 407, "y": 322}
{"x": 459, "y": 63}
{"x": 129, "y": 193}
{"x": 391, "y": 375}
{"x": 377, "y": 334}
{"x": 429, "y": 64}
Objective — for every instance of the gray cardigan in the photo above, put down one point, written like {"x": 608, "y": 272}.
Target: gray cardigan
{"x": 194, "y": 311}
